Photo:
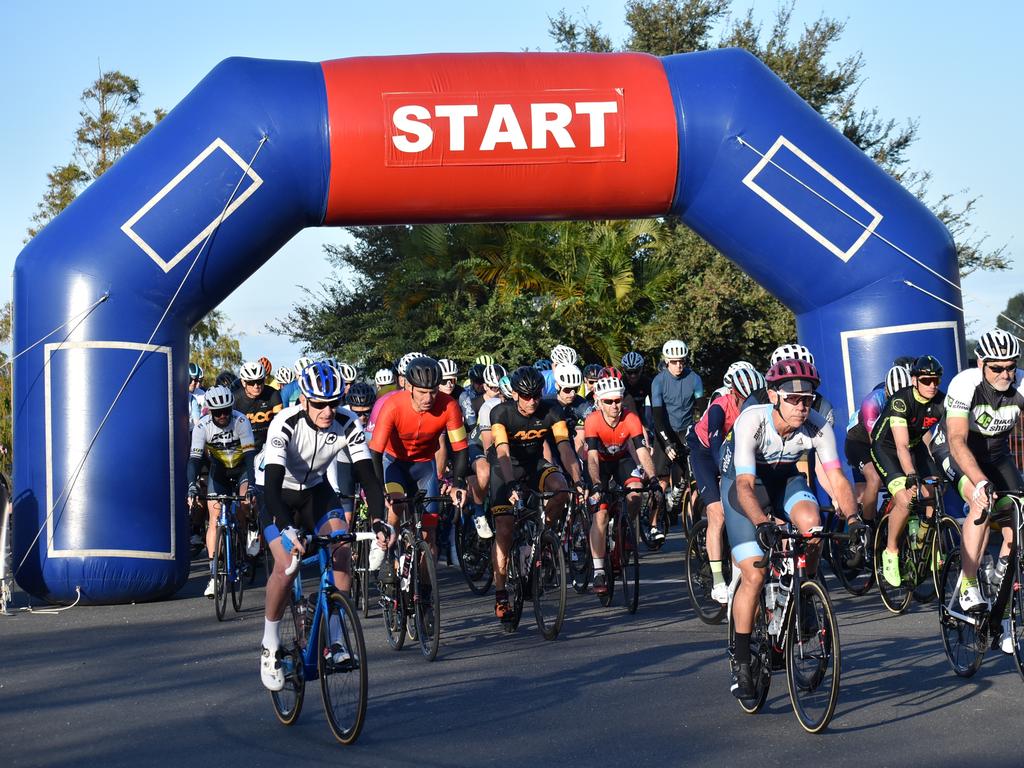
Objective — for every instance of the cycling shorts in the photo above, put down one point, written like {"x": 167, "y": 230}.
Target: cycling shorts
{"x": 224, "y": 485}
{"x": 858, "y": 455}
{"x": 310, "y": 510}
{"x": 783, "y": 488}
{"x": 624, "y": 471}
{"x": 476, "y": 452}
{"x": 408, "y": 477}
{"x": 888, "y": 466}
{"x": 1001, "y": 472}
{"x": 532, "y": 476}
{"x": 705, "y": 470}
{"x": 664, "y": 466}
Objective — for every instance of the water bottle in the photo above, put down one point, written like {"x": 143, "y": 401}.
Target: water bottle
{"x": 987, "y": 575}
{"x": 403, "y": 568}
{"x": 912, "y": 528}
{"x": 785, "y": 588}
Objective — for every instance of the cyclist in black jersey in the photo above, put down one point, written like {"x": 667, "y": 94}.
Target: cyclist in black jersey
{"x": 519, "y": 429}
{"x": 259, "y": 402}
{"x": 900, "y": 453}
{"x": 637, "y": 383}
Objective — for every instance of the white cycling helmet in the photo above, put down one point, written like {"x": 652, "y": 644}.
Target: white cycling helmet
{"x": 218, "y": 398}
{"x": 896, "y": 379}
{"x": 449, "y": 368}
{"x": 493, "y": 374}
{"x": 563, "y": 355}
{"x": 997, "y": 344}
{"x": 253, "y": 371}
{"x": 348, "y": 372}
{"x": 791, "y": 352}
{"x": 568, "y": 376}
{"x": 608, "y": 388}
{"x": 505, "y": 385}
{"x": 674, "y": 349}
{"x": 731, "y": 370}
{"x": 285, "y": 375}
{"x": 383, "y": 377}
{"x": 746, "y": 381}
{"x": 300, "y": 364}
{"x": 403, "y": 363}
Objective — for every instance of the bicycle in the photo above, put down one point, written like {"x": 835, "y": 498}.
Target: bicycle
{"x": 536, "y": 567}
{"x": 411, "y": 599}
{"x": 574, "y": 536}
{"x": 699, "y": 579}
{"x": 343, "y": 684}
{"x": 798, "y": 635}
{"x": 474, "y": 553}
{"x": 919, "y": 557}
{"x": 968, "y": 635}
{"x": 230, "y": 567}
{"x": 361, "y": 556}
{"x": 623, "y": 557}
{"x": 851, "y": 560}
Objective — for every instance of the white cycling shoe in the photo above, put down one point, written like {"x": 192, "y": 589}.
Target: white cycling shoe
{"x": 270, "y": 670}
{"x": 971, "y": 599}
{"x": 252, "y": 547}
{"x": 720, "y": 593}
{"x": 483, "y": 528}
{"x": 1006, "y": 644}
{"x": 339, "y": 653}
{"x": 211, "y": 589}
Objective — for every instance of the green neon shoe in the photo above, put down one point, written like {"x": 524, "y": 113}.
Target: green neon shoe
{"x": 891, "y": 568}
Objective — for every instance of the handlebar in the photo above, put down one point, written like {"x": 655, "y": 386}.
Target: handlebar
{"x": 802, "y": 537}
{"x": 993, "y": 496}
{"x": 338, "y": 537}
{"x": 226, "y": 497}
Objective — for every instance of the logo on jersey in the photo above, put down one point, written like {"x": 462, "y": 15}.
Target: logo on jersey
{"x": 331, "y": 438}
{"x": 278, "y": 442}
{"x": 530, "y": 434}
{"x": 899, "y": 406}
{"x": 984, "y": 420}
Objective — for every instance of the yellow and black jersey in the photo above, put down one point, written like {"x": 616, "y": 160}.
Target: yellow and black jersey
{"x": 907, "y": 408}
{"x": 525, "y": 435}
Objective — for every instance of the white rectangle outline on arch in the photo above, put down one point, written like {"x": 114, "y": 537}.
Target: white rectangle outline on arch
{"x": 883, "y": 330}
{"x": 846, "y": 255}
{"x": 48, "y": 350}
{"x": 216, "y": 144}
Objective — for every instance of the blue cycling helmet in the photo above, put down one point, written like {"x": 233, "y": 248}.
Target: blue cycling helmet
{"x": 542, "y": 365}
{"x": 321, "y": 381}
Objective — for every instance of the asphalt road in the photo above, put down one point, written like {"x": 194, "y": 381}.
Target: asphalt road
{"x": 166, "y": 684}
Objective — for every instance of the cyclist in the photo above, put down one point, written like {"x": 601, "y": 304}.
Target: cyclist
{"x": 857, "y": 449}
{"x": 449, "y": 378}
{"x": 900, "y": 454}
{"x": 983, "y": 406}
{"x": 472, "y": 396}
{"x": 257, "y": 401}
{"x": 384, "y": 378}
{"x": 765, "y": 444}
{"x": 479, "y": 443}
{"x": 285, "y": 376}
{"x": 568, "y": 380}
{"x": 358, "y": 399}
{"x": 519, "y": 429}
{"x": 637, "y": 383}
{"x": 293, "y": 394}
{"x": 613, "y": 437}
{"x": 705, "y": 444}
{"x": 196, "y": 394}
{"x": 591, "y": 373}
{"x": 271, "y": 380}
{"x": 674, "y": 392}
{"x": 302, "y": 442}
{"x": 560, "y": 355}
{"x": 226, "y": 436}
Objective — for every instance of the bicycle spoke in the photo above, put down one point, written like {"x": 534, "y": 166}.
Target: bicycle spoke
{"x": 343, "y": 676}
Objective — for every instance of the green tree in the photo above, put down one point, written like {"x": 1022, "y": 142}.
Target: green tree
{"x": 213, "y": 347}
{"x": 1012, "y": 318}
{"x": 112, "y": 122}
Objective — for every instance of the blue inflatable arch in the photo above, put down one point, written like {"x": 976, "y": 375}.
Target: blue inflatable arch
{"x": 260, "y": 149}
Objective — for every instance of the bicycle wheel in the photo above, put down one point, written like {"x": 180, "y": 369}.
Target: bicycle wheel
{"x": 895, "y": 599}
{"x": 362, "y": 572}
{"x": 514, "y": 587}
{"x": 343, "y": 681}
{"x": 693, "y": 507}
{"x": 630, "y": 557}
{"x": 852, "y": 561}
{"x": 965, "y": 647}
{"x": 392, "y": 603}
{"x": 945, "y": 540}
{"x": 612, "y": 564}
{"x": 288, "y": 701}
{"x": 547, "y": 575}
{"x": 1017, "y": 612}
{"x": 220, "y": 574}
{"x": 813, "y": 662}
{"x": 427, "y": 602}
{"x": 646, "y": 508}
{"x": 760, "y": 661}
{"x": 580, "y": 562}
{"x": 474, "y": 558}
{"x": 699, "y": 580}
{"x": 237, "y": 579}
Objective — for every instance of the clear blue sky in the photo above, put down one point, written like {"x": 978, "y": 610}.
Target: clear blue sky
{"x": 953, "y": 67}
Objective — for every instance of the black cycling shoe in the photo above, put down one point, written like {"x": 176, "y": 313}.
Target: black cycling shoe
{"x": 743, "y": 682}
{"x": 387, "y": 573}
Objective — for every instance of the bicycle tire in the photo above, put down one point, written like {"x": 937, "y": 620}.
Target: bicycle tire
{"x": 288, "y": 701}
{"x": 760, "y": 660}
{"x": 855, "y": 579}
{"x": 694, "y": 509}
{"x": 474, "y": 558}
{"x": 645, "y": 524}
{"x": 945, "y": 540}
{"x": 699, "y": 580}
{"x": 964, "y": 649}
{"x": 238, "y": 578}
{"x": 392, "y": 603}
{"x": 514, "y": 588}
{"x": 895, "y": 599}
{"x": 1017, "y": 612}
{"x": 630, "y": 559}
{"x": 427, "y": 612}
{"x": 813, "y": 657}
{"x": 548, "y": 585}
{"x": 343, "y": 686}
{"x": 611, "y": 561}
{"x": 220, "y": 576}
{"x": 580, "y": 562}
{"x": 363, "y": 573}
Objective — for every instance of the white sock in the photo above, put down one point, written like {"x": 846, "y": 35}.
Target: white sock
{"x": 598, "y": 563}
{"x": 271, "y": 634}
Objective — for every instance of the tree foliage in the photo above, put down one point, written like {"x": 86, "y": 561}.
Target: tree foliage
{"x": 1012, "y": 318}
{"x": 213, "y": 347}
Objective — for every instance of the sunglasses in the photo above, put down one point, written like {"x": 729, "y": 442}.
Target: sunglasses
{"x": 568, "y": 390}
{"x": 928, "y": 381}
{"x": 1001, "y": 368}
{"x": 319, "y": 405}
{"x": 674, "y": 362}
{"x": 254, "y": 382}
{"x": 617, "y": 401}
{"x": 528, "y": 398}
{"x": 448, "y": 383}
{"x": 220, "y": 412}
{"x": 361, "y": 414}
{"x": 805, "y": 400}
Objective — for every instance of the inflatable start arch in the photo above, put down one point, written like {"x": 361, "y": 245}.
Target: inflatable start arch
{"x": 260, "y": 149}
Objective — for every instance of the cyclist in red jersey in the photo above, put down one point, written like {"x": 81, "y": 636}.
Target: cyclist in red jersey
{"x": 613, "y": 437}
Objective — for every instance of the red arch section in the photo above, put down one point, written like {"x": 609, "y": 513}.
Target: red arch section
{"x": 460, "y": 137}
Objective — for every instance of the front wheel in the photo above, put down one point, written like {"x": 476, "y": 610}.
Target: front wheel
{"x": 1017, "y": 611}
{"x": 547, "y": 583}
{"x": 288, "y": 701}
{"x": 426, "y": 601}
{"x": 760, "y": 661}
{"x": 474, "y": 556}
{"x": 237, "y": 576}
{"x": 392, "y": 603}
{"x": 965, "y": 647}
{"x": 895, "y": 599}
{"x": 812, "y": 657}
{"x": 852, "y": 560}
{"x": 580, "y": 560}
{"x": 630, "y": 558}
{"x": 343, "y": 679}
{"x": 220, "y": 574}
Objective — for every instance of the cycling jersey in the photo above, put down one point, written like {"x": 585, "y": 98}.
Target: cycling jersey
{"x": 612, "y": 441}
{"x": 483, "y": 422}
{"x": 290, "y": 394}
{"x": 375, "y": 411}
{"x": 672, "y": 398}
{"x": 231, "y": 448}
{"x": 196, "y": 407}
{"x": 907, "y": 409}
{"x": 991, "y": 415}
{"x": 412, "y": 436}
{"x": 469, "y": 402}
{"x": 716, "y": 422}
{"x": 525, "y": 435}
{"x": 260, "y": 410}
{"x": 755, "y": 447}
{"x": 865, "y": 418}
{"x": 575, "y": 413}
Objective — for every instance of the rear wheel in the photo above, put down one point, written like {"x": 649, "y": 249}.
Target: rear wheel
{"x": 699, "y": 579}
{"x": 392, "y": 603}
{"x": 812, "y": 657}
{"x": 580, "y": 562}
{"x": 288, "y": 701}
{"x": 547, "y": 583}
{"x": 1017, "y": 612}
{"x": 426, "y": 601}
{"x": 474, "y": 556}
{"x": 343, "y": 681}
{"x": 220, "y": 574}
{"x": 852, "y": 561}
{"x": 965, "y": 646}
{"x": 895, "y": 599}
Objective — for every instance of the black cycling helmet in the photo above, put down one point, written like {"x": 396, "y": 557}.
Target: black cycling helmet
{"x": 361, "y": 395}
{"x": 593, "y": 371}
{"x": 528, "y": 381}
{"x": 423, "y": 372}
{"x": 926, "y": 365}
{"x": 476, "y": 373}
{"x": 227, "y": 379}
{"x": 905, "y": 360}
